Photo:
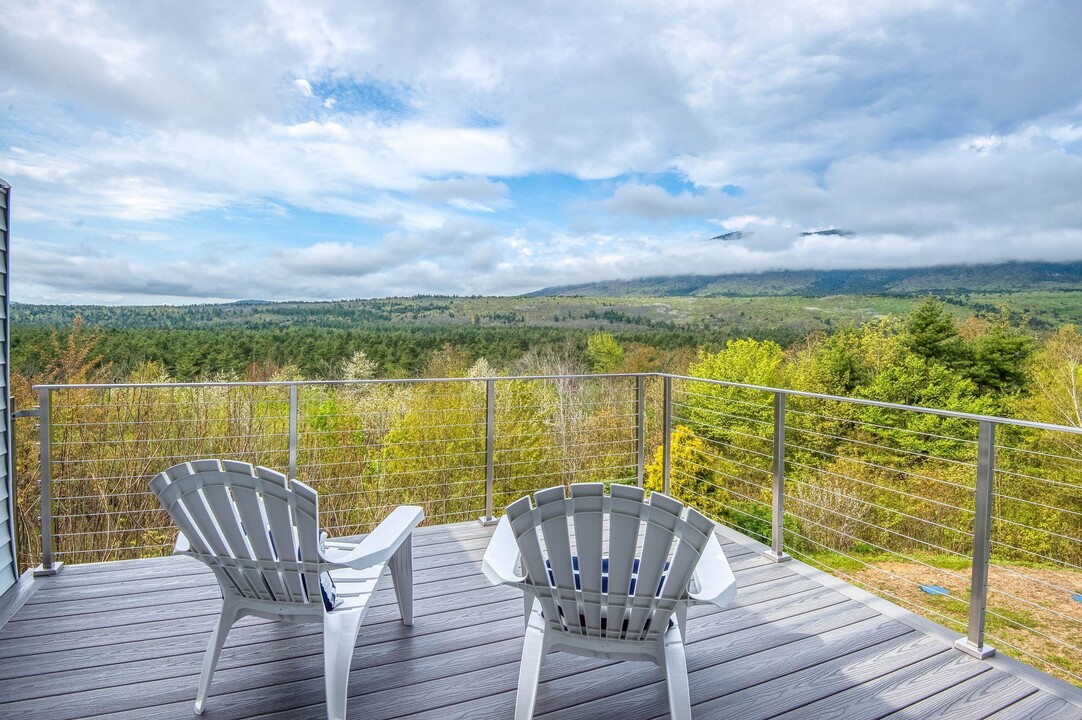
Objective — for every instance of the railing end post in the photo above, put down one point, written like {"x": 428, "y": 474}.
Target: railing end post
{"x": 777, "y": 506}
{"x": 980, "y": 652}
{"x": 973, "y": 644}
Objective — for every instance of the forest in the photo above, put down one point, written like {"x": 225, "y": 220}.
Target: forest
{"x": 880, "y": 497}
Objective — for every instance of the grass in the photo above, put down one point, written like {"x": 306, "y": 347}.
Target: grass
{"x": 1030, "y": 612}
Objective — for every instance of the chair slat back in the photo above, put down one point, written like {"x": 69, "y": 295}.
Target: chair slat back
{"x": 628, "y": 593}
{"x": 256, "y": 530}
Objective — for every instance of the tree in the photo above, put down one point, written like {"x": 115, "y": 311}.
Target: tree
{"x": 1001, "y": 355}
{"x": 930, "y": 333}
{"x": 604, "y": 352}
{"x": 1056, "y": 380}
{"x": 726, "y": 413}
{"x": 359, "y": 367}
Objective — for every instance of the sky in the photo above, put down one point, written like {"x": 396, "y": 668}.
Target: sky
{"x": 190, "y": 151}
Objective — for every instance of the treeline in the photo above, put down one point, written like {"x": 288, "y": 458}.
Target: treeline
{"x": 232, "y": 353}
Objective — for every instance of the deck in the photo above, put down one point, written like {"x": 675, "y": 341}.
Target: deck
{"x": 126, "y": 640}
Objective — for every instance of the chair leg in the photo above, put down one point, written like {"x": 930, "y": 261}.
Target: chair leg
{"x": 340, "y": 630}
{"x": 401, "y": 565}
{"x": 231, "y": 612}
{"x": 676, "y": 676}
{"x": 529, "y": 671}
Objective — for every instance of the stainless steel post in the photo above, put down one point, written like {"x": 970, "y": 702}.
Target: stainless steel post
{"x": 973, "y": 644}
{"x": 490, "y": 449}
{"x": 640, "y": 428}
{"x": 292, "y": 431}
{"x": 48, "y": 565}
{"x": 666, "y": 462}
{"x": 777, "y": 537}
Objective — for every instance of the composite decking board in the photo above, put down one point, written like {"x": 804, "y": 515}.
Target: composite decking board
{"x": 173, "y": 566}
{"x": 70, "y": 634}
{"x": 135, "y": 624}
{"x": 162, "y": 583}
{"x": 143, "y": 640}
{"x": 423, "y": 537}
{"x": 571, "y": 687}
{"x": 237, "y": 661}
{"x": 1039, "y": 706}
{"x": 384, "y": 610}
{"x": 147, "y": 649}
{"x": 190, "y": 605}
{"x": 289, "y": 643}
{"x": 296, "y": 681}
{"x": 296, "y": 661}
{"x": 722, "y": 670}
{"x": 796, "y": 689}
{"x": 973, "y": 699}
{"x": 786, "y": 642}
{"x": 894, "y": 691}
{"x": 309, "y": 689}
{"x": 426, "y": 569}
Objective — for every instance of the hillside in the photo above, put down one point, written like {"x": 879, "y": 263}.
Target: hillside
{"x": 950, "y": 279}
{"x": 782, "y": 305}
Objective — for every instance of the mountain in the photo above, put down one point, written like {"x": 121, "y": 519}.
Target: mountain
{"x": 1004, "y": 277}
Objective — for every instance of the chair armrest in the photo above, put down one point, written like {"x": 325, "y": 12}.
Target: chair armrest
{"x": 182, "y": 546}
{"x": 501, "y": 556}
{"x": 380, "y": 544}
{"x": 713, "y": 576}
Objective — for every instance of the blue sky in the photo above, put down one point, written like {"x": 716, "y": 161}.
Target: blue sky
{"x": 168, "y": 152}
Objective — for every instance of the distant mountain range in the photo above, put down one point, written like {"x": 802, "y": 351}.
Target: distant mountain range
{"x": 1004, "y": 277}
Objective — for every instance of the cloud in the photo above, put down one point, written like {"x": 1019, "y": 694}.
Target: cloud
{"x": 655, "y": 203}
{"x": 303, "y": 87}
{"x": 472, "y": 147}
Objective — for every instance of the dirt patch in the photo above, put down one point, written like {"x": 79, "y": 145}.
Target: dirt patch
{"x": 1031, "y": 613}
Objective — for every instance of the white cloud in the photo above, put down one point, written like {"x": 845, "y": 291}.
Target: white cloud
{"x": 303, "y": 87}
{"x": 935, "y": 131}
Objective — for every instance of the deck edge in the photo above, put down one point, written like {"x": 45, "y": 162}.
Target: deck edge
{"x": 1039, "y": 679}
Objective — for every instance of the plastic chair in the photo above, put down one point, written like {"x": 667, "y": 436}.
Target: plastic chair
{"x": 259, "y": 534}
{"x": 628, "y": 602}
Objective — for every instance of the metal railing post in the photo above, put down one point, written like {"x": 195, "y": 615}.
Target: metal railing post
{"x": 292, "y": 431}
{"x": 640, "y": 428}
{"x": 666, "y": 462}
{"x": 973, "y": 644}
{"x": 777, "y": 533}
{"x": 48, "y": 565}
{"x": 490, "y": 449}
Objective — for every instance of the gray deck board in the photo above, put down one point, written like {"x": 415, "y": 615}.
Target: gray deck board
{"x": 126, "y": 639}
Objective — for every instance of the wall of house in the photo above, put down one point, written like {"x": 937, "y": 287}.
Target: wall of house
{"x": 8, "y": 569}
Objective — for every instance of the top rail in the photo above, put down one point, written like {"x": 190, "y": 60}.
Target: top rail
{"x": 998, "y": 420}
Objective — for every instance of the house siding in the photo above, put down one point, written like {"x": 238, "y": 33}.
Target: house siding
{"x": 9, "y": 571}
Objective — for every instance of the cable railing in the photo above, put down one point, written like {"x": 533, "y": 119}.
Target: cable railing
{"x": 972, "y": 521}
{"x": 460, "y": 447}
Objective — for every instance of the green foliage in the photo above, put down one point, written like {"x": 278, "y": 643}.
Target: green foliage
{"x": 1001, "y": 357}
{"x": 930, "y": 334}
{"x": 604, "y": 352}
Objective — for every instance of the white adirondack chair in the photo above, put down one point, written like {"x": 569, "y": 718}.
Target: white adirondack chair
{"x": 628, "y": 604}
{"x": 260, "y": 535}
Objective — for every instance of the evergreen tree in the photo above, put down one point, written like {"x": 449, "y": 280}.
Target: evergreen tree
{"x": 930, "y": 333}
